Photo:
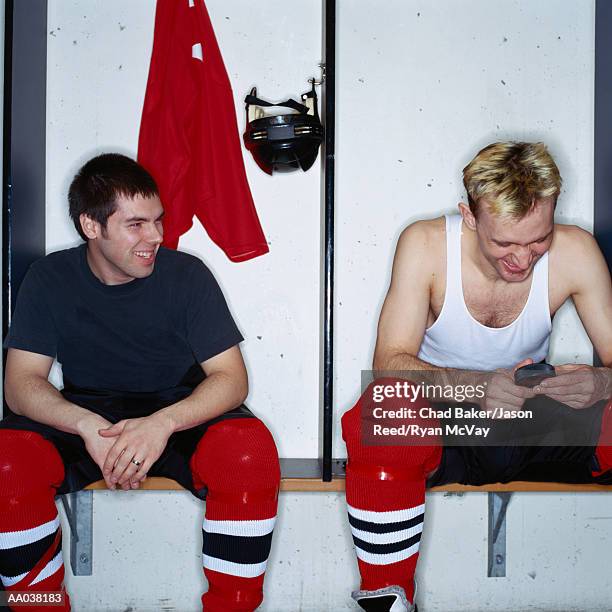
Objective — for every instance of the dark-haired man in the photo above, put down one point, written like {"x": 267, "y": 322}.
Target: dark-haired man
{"x": 153, "y": 385}
{"x": 477, "y": 291}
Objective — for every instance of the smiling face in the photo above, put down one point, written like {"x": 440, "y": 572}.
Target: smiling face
{"x": 126, "y": 248}
{"x": 512, "y": 247}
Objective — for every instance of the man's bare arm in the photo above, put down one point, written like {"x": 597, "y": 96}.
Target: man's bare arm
{"x": 584, "y": 269}
{"x": 403, "y": 318}
{"x": 28, "y": 392}
{"x": 225, "y": 387}
{"x": 591, "y": 291}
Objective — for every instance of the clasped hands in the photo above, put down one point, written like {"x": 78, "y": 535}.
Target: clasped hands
{"x": 116, "y": 448}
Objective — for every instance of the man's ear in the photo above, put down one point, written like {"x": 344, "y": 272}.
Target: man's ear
{"x": 468, "y": 216}
{"x": 90, "y": 227}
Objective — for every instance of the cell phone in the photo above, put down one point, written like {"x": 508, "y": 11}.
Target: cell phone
{"x": 533, "y": 374}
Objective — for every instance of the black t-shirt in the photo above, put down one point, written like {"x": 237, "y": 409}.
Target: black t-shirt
{"x": 141, "y": 336}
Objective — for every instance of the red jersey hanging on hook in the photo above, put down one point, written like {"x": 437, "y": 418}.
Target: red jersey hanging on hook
{"x": 189, "y": 136}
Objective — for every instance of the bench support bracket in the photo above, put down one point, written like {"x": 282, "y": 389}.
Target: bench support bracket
{"x": 79, "y": 511}
{"x": 498, "y": 504}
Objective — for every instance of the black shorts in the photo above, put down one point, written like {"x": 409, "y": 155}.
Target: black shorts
{"x": 479, "y": 465}
{"x": 81, "y": 470}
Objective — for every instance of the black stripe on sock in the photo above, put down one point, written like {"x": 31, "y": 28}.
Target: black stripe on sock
{"x": 383, "y": 549}
{"x": 58, "y": 549}
{"x": 385, "y": 527}
{"x": 21, "y": 559}
{"x": 237, "y": 549}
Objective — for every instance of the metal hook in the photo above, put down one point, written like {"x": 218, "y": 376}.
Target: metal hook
{"x": 322, "y": 80}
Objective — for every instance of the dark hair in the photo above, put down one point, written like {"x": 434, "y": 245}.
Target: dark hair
{"x": 100, "y": 181}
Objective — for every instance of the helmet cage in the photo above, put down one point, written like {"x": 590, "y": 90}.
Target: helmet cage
{"x": 283, "y": 142}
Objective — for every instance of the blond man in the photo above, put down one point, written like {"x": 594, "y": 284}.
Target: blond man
{"x": 478, "y": 291}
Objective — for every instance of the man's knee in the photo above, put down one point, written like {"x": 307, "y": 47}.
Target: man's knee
{"x": 27, "y": 462}
{"x": 237, "y": 454}
{"x": 412, "y": 454}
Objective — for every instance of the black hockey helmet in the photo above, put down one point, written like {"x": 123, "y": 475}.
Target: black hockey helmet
{"x": 283, "y": 143}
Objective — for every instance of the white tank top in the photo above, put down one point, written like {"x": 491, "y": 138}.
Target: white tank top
{"x": 457, "y": 340}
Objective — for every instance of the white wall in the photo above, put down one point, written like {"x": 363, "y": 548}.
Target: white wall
{"x": 98, "y": 63}
{"x": 421, "y": 86}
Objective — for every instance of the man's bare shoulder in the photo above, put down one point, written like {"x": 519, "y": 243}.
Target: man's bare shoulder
{"x": 425, "y": 236}
{"x": 421, "y": 250}
{"x": 574, "y": 255}
{"x": 573, "y": 245}
{"x": 571, "y": 233}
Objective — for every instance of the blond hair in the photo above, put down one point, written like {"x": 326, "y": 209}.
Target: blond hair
{"x": 512, "y": 176}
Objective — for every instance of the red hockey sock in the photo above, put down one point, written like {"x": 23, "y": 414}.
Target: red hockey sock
{"x": 604, "y": 444}
{"x": 30, "y": 533}
{"x": 385, "y": 493}
{"x": 237, "y": 462}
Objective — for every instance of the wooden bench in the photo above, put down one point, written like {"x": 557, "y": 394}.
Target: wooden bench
{"x": 301, "y": 475}
{"x": 337, "y": 485}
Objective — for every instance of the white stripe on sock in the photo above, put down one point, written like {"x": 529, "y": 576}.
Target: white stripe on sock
{"x": 393, "y": 516}
{"x": 244, "y": 570}
{"x": 240, "y": 528}
{"x": 8, "y": 581}
{"x": 387, "y": 538}
{"x": 53, "y": 566}
{"x": 387, "y": 558}
{"x": 12, "y": 539}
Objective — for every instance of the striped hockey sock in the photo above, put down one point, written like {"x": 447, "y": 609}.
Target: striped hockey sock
{"x": 386, "y": 531}
{"x": 30, "y": 532}
{"x": 31, "y": 556}
{"x": 385, "y": 538}
{"x": 385, "y": 494}
{"x": 238, "y": 463}
{"x": 237, "y": 548}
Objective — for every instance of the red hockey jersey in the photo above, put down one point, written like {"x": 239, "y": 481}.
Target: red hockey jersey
{"x": 189, "y": 137}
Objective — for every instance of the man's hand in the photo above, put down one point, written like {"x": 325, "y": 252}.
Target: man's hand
{"x": 503, "y": 393}
{"x": 96, "y": 445}
{"x": 577, "y": 385}
{"x": 143, "y": 440}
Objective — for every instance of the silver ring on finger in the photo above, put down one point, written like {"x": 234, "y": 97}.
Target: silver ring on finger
{"x": 136, "y": 462}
